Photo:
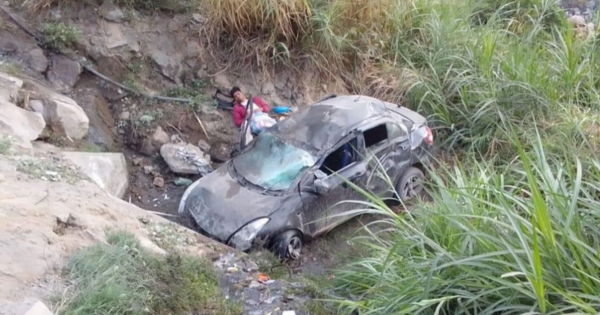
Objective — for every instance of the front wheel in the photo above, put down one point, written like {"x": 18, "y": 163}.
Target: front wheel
{"x": 288, "y": 245}
{"x": 410, "y": 185}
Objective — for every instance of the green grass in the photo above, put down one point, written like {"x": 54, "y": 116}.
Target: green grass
{"x": 510, "y": 239}
{"x": 5, "y": 146}
{"x": 121, "y": 277}
{"x": 60, "y": 36}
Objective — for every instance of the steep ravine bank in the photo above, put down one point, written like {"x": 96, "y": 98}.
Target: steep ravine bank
{"x": 65, "y": 106}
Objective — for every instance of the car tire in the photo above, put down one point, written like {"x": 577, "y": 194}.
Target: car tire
{"x": 288, "y": 245}
{"x": 410, "y": 184}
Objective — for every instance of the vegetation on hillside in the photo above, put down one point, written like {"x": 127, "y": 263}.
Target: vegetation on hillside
{"x": 122, "y": 277}
{"x": 510, "y": 87}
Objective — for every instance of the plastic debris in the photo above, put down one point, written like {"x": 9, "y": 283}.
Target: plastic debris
{"x": 182, "y": 181}
{"x": 263, "y": 278}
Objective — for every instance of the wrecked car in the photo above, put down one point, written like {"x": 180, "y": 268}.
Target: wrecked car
{"x": 287, "y": 186}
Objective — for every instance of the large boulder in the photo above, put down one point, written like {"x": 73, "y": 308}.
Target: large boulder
{"x": 64, "y": 72}
{"x": 62, "y": 114}
{"x": 20, "y": 125}
{"x": 26, "y": 307}
{"x": 36, "y": 59}
{"x": 185, "y": 158}
{"x": 107, "y": 170}
{"x": 98, "y": 112}
{"x": 24, "y": 49}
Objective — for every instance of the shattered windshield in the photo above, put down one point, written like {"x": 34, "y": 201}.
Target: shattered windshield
{"x": 272, "y": 163}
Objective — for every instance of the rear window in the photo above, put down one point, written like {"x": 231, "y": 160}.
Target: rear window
{"x": 376, "y": 135}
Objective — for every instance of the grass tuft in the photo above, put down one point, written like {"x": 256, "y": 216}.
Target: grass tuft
{"x": 60, "y": 36}
{"x": 121, "y": 277}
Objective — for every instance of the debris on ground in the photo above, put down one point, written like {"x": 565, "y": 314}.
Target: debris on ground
{"x": 182, "y": 181}
{"x": 186, "y": 159}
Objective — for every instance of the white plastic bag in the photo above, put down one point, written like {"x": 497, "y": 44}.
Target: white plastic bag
{"x": 261, "y": 121}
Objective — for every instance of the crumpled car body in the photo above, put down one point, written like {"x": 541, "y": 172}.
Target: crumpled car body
{"x": 294, "y": 176}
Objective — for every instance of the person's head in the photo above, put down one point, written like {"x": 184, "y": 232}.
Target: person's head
{"x": 237, "y": 94}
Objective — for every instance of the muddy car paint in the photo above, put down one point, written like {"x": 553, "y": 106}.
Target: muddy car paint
{"x": 223, "y": 203}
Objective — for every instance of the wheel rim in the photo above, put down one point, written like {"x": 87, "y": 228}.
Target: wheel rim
{"x": 294, "y": 248}
{"x": 412, "y": 187}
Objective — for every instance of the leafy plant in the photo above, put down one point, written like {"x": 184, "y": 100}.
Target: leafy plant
{"x": 60, "y": 36}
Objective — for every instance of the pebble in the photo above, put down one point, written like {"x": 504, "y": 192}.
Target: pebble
{"x": 148, "y": 169}
{"x": 159, "y": 182}
{"x": 125, "y": 115}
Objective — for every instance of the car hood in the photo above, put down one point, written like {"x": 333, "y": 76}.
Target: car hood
{"x": 221, "y": 206}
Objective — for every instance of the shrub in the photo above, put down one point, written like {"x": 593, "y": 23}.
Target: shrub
{"x": 123, "y": 278}
{"x": 60, "y": 36}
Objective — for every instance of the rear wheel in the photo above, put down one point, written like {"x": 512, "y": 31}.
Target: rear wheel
{"x": 288, "y": 245}
{"x": 410, "y": 184}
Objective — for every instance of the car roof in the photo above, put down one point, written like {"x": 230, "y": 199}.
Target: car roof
{"x": 319, "y": 127}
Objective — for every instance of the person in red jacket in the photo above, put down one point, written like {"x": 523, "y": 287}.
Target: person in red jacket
{"x": 241, "y": 101}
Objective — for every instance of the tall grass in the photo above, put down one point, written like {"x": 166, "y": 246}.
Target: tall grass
{"x": 473, "y": 67}
{"x": 517, "y": 239}
{"x": 124, "y": 278}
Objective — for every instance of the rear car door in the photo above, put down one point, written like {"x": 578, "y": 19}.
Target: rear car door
{"x": 378, "y": 150}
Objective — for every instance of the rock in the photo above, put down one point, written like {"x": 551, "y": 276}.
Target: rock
{"x": 159, "y": 182}
{"x": 137, "y": 161}
{"x": 204, "y": 146}
{"x": 113, "y": 36}
{"x": 193, "y": 50}
{"x": 62, "y": 114}
{"x": 75, "y": 220}
{"x": 29, "y": 307}
{"x": 591, "y": 27}
{"x": 149, "y": 245}
{"x": 148, "y": 169}
{"x": 37, "y": 106}
{"x": 36, "y": 60}
{"x": 590, "y": 4}
{"x": 125, "y": 115}
{"x": 222, "y": 81}
{"x": 220, "y": 152}
{"x": 179, "y": 164}
{"x": 182, "y": 182}
{"x": 107, "y": 170}
{"x": 169, "y": 67}
{"x": 146, "y": 119}
{"x": 110, "y": 12}
{"x": 198, "y": 18}
{"x": 100, "y": 117}
{"x": 160, "y": 136}
{"x": 9, "y": 87}
{"x": 21, "y": 125}
{"x": 149, "y": 147}
{"x": 63, "y": 73}
{"x": 267, "y": 88}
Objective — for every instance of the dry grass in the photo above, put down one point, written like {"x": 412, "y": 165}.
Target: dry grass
{"x": 328, "y": 35}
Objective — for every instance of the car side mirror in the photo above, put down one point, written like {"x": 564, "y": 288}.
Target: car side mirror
{"x": 321, "y": 186}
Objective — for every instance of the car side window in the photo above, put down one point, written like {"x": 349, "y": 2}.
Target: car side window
{"x": 395, "y": 131}
{"x": 376, "y": 136}
{"x": 342, "y": 157}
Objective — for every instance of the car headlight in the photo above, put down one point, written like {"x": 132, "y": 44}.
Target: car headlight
{"x": 242, "y": 240}
{"x": 187, "y": 192}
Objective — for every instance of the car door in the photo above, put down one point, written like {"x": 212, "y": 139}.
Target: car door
{"x": 399, "y": 155}
{"x": 377, "y": 156}
{"x": 322, "y": 210}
